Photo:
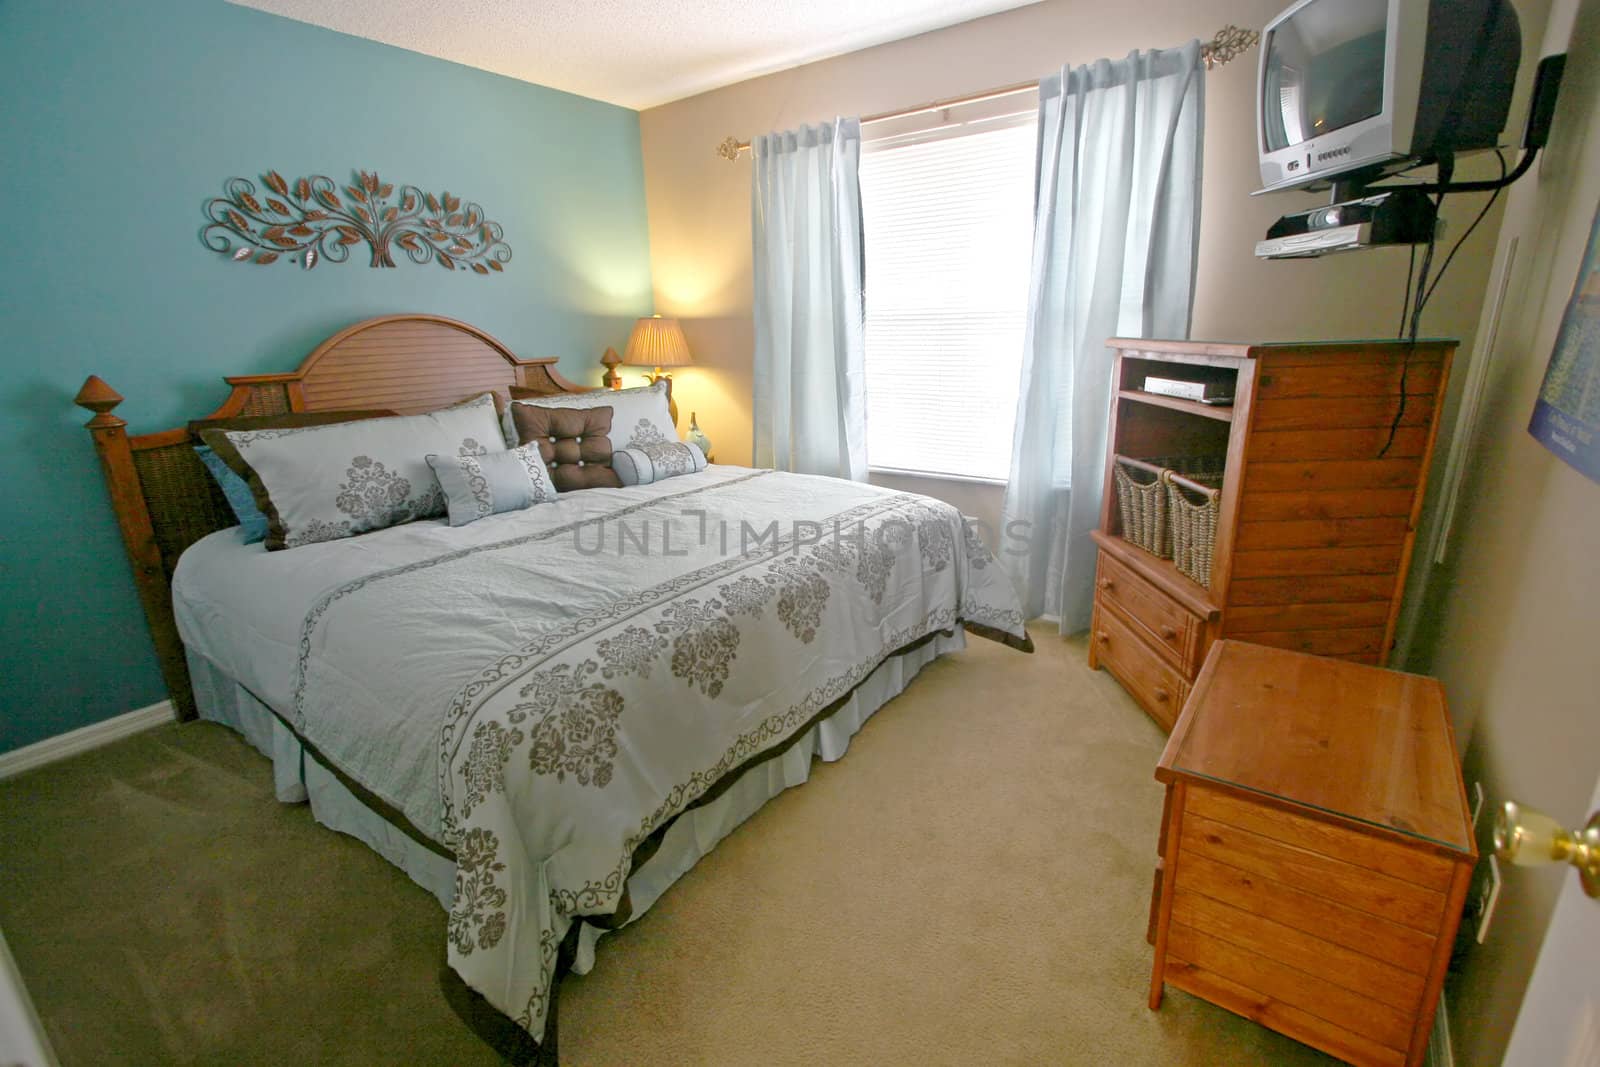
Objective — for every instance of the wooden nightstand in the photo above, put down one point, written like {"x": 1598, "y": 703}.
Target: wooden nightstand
{"x": 1315, "y": 848}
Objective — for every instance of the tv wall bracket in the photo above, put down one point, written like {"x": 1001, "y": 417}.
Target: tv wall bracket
{"x": 1535, "y": 135}
{"x": 1363, "y": 214}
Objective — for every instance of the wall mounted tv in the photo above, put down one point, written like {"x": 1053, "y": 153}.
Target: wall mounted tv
{"x": 1353, "y": 90}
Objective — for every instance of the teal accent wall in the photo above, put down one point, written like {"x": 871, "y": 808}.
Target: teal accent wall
{"x": 117, "y": 122}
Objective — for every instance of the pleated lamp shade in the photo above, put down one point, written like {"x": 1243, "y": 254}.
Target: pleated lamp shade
{"x": 657, "y": 342}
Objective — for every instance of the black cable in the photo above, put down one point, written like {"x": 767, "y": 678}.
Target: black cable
{"x": 1446, "y": 169}
{"x": 1493, "y": 196}
{"x": 1405, "y": 304}
{"x": 1427, "y": 269}
{"x": 1425, "y": 291}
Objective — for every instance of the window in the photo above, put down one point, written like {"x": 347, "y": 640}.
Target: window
{"x": 948, "y": 237}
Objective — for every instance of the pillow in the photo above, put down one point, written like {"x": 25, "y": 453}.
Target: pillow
{"x": 639, "y": 415}
{"x": 237, "y": 492}
{"x": 572, "y": 442}
{"x": 476, "y": 487}
{"x": 321, "y": 483}
{"x": 233, "y": 483}
{"x": 285, "y": 420}
{"x": 651, "y": 463}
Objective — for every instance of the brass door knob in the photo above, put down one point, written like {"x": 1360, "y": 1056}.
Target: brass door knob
{"x": 1528, "y": 838}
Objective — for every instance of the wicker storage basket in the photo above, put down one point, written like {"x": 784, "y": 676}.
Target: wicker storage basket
{"x": 1192, "y": 510}
{"x": 1142, "y": 504}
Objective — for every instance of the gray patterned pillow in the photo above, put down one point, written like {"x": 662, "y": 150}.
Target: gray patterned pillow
{"x": 653, "y": 462}
{"x": 476, "y": 487}
{"x": 321, "y": 483}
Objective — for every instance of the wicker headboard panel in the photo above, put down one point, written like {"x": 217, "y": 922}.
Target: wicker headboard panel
{"x": 184, "y": 501}
{"x": 164, "y": 499}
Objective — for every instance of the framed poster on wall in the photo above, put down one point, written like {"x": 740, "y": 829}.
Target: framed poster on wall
{"x": 1566, "y": 417}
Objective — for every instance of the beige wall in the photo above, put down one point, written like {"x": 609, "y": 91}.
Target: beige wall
{"x": 699, "y": 203}
{"x": 1508, "y": 621}
{"x": 1520, "y": 595}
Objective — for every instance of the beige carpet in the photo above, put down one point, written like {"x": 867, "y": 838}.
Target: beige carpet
{"x": 967, "y": 886}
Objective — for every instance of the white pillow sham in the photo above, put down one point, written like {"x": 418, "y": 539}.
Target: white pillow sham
{"x": 321, "y": 483}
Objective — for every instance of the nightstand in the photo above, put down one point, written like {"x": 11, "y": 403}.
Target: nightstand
{"x": 1315, "y": 850}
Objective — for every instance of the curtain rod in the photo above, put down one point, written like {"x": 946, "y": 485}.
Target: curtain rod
{"x": 1229, "y": 43}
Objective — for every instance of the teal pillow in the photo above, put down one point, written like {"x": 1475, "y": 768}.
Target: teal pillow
{"x": 237, "y": 491}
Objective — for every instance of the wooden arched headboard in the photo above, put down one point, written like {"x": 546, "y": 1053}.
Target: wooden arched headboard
{"x": 165, "y": 501}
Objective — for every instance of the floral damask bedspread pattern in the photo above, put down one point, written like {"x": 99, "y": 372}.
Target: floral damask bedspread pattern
{"x": 567, "y": 751}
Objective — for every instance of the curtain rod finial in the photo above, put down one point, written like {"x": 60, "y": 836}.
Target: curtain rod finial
{"x": 1230, "y": 43}
{"x": 730, "y": 148}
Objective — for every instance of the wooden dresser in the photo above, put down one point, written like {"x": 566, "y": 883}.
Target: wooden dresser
{"x": 1317, "y": 513}
{"x": 1315, "y": 850}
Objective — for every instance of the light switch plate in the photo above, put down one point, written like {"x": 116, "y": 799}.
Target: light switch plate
{"x": 1488, "y": 897}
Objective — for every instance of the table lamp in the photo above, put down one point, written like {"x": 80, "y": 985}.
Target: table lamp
{"x": 658, "y": 342}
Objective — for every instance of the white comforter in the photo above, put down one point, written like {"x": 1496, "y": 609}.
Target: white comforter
{"x": 540, "y": 691}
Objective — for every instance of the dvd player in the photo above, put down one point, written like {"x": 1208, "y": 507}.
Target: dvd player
{"x": 1393, "y": 217}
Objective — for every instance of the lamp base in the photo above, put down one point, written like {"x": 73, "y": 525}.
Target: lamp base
{"x": 672, "y": 405}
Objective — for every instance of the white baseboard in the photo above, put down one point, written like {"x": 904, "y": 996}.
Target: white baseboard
{"x": 83, "y": 739}
{"x": 1440, "y": 1054}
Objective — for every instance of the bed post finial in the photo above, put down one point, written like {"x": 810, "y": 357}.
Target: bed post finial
{"x": 611, "y": 360}
{"x": 100, "y": 398}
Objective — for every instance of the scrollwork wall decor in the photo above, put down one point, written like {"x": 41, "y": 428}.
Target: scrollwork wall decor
{"x": 311, "y": 221}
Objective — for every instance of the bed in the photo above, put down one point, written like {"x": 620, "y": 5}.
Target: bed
{"x": 547, "y": 716}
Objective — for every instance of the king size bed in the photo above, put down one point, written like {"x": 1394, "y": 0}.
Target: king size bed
{"x": 544, "y": 715}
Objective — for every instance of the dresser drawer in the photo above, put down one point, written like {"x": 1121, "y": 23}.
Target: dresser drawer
{"x": 1120, "y": 645}
{"x": 1166, "y": 624}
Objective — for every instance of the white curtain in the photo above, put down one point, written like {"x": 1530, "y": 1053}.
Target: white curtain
{"x": 810, "y": 374}
{"x": 1116, "y": 229}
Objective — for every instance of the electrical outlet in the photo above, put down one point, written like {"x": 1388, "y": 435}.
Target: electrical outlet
{"x": 1477, "y": 803}
{"x": 1488, "y": 896}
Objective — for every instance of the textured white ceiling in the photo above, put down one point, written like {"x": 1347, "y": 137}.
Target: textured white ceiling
{"x": 637, "y": 53}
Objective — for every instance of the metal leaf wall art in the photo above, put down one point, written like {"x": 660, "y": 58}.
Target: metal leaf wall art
{"x": 314, "y": 220}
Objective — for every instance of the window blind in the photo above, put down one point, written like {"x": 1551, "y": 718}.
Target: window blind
{"x": 948, "y": 236}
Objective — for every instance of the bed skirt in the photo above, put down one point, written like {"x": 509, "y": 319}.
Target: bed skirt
{"x": 298, "y": 775}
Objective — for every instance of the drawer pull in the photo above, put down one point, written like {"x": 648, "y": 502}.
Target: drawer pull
{"x": 1107, "y": 583}
{"x": 1105, "y": 638}
{"x": 1161, "y": 694}
{"x": 1169, "y": 632}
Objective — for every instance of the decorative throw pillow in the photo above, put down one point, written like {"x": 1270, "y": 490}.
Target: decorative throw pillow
{"x": 322, "y": 483}
{"x": 573, "y": 443}
{"x": 651, "y": 463}
{"x": 476, "y": 487}
{"x": 237, "y": 492}
{"x": 639, "y": 415}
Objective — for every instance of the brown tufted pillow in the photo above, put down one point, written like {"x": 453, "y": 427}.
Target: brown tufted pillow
{"x": 574, "y": 443}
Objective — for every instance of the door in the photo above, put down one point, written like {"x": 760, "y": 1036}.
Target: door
{"x": 1559, "y": 1024}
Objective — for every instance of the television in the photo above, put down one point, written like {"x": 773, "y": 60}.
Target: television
{"x": 1350, "y": 91}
